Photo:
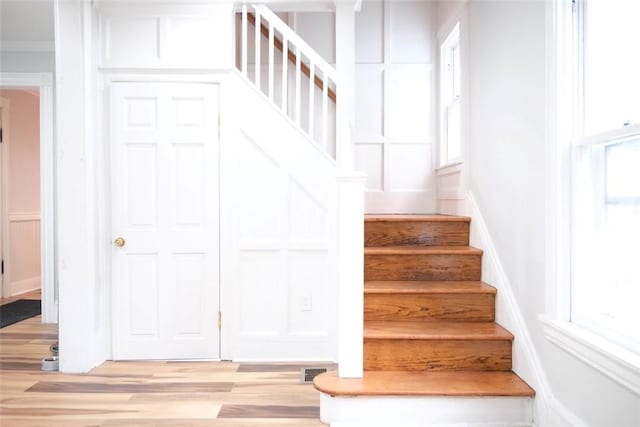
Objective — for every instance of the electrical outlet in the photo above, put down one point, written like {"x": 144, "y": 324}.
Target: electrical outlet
{"x": 307, "y": 304}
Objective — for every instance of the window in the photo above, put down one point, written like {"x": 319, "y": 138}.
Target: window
{"x": 450, "y": 123}
{"x": 605, "y": 247}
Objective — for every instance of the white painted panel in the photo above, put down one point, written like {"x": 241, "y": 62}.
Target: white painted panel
{"x": 370, "y": 96}
{"x": 411, "y": 167}
{"x": 133, "y": 40}
{"x": 190, "y": 36}
{"x": 142, "y": 112}
{"x": 177, "y": 36}
{"x": 307, "y": 218}
{"x": 412, "y": 31}
{"x": 261, "y": 185}
{"x": 308, "y": 293}
{"x": 189, "y": 111}
{"x": 142, "y": 285}
{"x": 369, "y": 33}
{"x": 189, "y": 184}
{"x": 261, "y": 300}
{"x": 410, "y": 100}
{"x": 142, "y": 189}
{"x": 189, "y": 291}
{"x": 369, "y": 159}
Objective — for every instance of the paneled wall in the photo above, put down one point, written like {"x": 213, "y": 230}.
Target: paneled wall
{"x": 395, "y": 126}
{"x": 395, "y": 122}
{"x": 277, "y": 259}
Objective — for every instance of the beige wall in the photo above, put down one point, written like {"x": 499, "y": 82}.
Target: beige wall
{"x": 23, "y": 149}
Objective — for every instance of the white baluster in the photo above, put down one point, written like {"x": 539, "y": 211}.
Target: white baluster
{"x": 257, "y": 47}
{"x": 298, "y": 78}
{"x": 285, "y": 77}
{"x": 312, "y": 92}
{"x": 245, "y": 29}
{"x": 271, "y": 60}
{"x": 325, "y": 110}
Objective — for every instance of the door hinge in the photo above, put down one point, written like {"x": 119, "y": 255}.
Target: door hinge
{"x": 219, "y": 320}
{"x": 2, "y": 267}
{"x": 219, "y": 125}
{"x": 1, "y": 136}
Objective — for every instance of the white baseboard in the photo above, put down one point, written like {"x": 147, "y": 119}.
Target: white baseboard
{"x": 22, "y": 286}
{"x": 526, "y": 362}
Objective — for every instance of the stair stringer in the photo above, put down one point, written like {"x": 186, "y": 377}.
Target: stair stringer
{"x": 278, "y": 215}
{"x": 526, "y": 362}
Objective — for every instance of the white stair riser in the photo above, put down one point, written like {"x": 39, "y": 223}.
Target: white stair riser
{"x": 386, "y": 411}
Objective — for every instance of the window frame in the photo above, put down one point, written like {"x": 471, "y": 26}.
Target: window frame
{"x": 447, "y": 84}
{"x": 565, "y": 107}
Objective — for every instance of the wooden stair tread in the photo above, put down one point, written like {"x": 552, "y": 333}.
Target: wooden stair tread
{"x": 416, "y": 218}
{"x": 434, "y": 330}
{"x": 401, "y": 383}
{"x": 427, "y": 286}
{"x": 422, "y": 250}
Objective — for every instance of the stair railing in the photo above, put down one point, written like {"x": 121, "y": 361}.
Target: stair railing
{"x": 306, "y": 61}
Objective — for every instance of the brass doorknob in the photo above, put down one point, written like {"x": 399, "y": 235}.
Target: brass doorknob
{"x": 119, "y": 242}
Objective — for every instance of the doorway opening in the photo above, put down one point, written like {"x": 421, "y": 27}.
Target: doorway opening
{"x": 20, "y": 177}
{"x": 26, "y": 191}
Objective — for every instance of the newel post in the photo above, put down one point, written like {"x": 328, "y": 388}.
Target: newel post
{"x": 350, "y": 188}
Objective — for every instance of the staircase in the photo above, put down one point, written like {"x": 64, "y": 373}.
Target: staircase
{"x": 431, "y": 346}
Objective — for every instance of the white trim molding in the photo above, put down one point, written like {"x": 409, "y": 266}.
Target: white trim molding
{"x": 27, "y": 46}
{"x": 619, "y": 364}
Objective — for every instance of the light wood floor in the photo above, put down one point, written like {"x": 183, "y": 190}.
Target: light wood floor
{"x": 145, "y": 393}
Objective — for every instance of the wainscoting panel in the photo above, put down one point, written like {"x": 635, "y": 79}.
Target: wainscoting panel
{"x": 277, "y": 284}
{"x": 22, "y": 272}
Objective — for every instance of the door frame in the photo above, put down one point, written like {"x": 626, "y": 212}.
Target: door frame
{"x": 44, "y": 82}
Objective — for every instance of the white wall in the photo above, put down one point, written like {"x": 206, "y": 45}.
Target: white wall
{"x": 506, "y": 164}
{"x": 22, "y": 150}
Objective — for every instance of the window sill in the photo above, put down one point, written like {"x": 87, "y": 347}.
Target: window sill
{"x": 619, "y": 364}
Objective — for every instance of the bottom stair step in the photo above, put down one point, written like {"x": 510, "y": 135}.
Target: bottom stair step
{"x": 412, "y": 399}
{"x": 404, "y": 383}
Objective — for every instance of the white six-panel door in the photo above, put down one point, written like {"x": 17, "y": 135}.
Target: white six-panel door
{"x": 164, "y": 168}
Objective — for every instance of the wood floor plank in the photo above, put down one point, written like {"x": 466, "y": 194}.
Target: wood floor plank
{"x": 268, "y": 411}
{"x": 95, "y": 387}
